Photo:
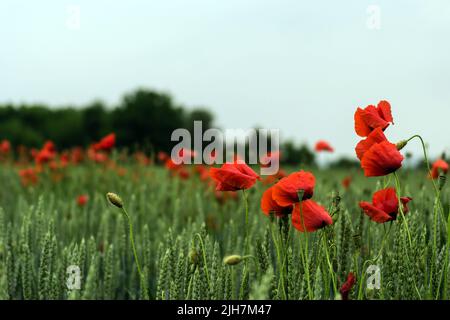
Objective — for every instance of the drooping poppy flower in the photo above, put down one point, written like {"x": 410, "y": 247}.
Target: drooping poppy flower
{"x": 285, "y": 191}
{"x": 384, "y": 206}
{"x": 82, "y": 200}
{"x": 268, "y": 205}
{"x": 233, "y": 177}
{"x": 381, "y": 159}
{"x": 311, "y": 217}
{"x": 371, "y": 117}
{"x": 106, "y": 143}
{"x": 346, "y": 182}
{"x": 347, "y": 286}
{"x": 322, "y": 145}
{"x": 439, "y": 166}
{"x": 376, "y": 136}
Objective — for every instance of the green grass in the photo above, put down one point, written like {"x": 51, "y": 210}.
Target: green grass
{"x": 182, "y": 234}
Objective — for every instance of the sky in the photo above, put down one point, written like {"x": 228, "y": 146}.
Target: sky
{"x": 299, "y": 66}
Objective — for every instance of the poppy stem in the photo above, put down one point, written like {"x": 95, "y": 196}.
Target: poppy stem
{"x": 400, "y": 207}
{"x": 204, "y": 260}
{"x": 133, "y": 246}
{"x": 435, "y": 186}
{"x": 277, "y": 249}
{"x": 247, "y": 243}
{"x": 300, "y": 194}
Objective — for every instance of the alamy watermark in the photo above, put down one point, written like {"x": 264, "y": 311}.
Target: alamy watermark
{"x": 374, "y": 277}
{"x": 73, "y": 281}
{"x": 228, "y": 146}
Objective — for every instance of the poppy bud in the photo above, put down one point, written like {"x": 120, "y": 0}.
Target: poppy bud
{"x": 193, "y": 256}
{"x": 401, "y": 144}
{"x": 232, "y": 260}
{"x": 115, "y": 199}
{"x": 442, "y": 180}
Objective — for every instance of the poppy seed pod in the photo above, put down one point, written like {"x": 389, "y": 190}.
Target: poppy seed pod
{"x": 115, "y": 199}
{"x": 232, "y": 260}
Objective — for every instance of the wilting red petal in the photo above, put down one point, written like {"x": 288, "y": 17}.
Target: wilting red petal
{"x": 386, "y": 200}
{"x": 371, "y": 117}
{"x": 314, "y": 216}
{"x": 376, "y": 136}
{"x": 347, "y": 286}
{"x": 268, "y": 205}
{"x": 381, "y": 159}
{"x": 233, "y": 177}
{"x": 361, "y": 127}
{"x": 405, "y": 201}
{"x": 323, "y": 146}
{"x": 374, "y": 213}
{"x": 384, "y": 110}
{"x": 384, "y": 206}
{"x": 285, "y": 191}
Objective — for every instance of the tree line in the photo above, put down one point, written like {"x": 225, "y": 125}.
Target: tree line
{"x": 144, "y": 119}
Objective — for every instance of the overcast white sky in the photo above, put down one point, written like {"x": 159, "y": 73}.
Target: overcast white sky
{"x": 300, "y": 66}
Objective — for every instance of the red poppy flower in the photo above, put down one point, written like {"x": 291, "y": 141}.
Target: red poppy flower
{"x": 44, "y": 156}
{"x": 183, "y": 173}
{"x": 347, "y": 286}
{"x": 5, "y": 147}
{"x": 370, "y": 118}
{"x": 312, "y": 217}
{"x": 381, "y": 159}
{"x": 346, "y": 182}
{"x": 233, "y": 177}
{"x": 162, "y": 156}
{"x": 285, "y": 192}
{"x": 49, "y": 146}
{"x": 169, "y": 164}
{"x": 28, "y": 176}
{"x": 268, "y": 205}
{"x": 384, "y": 206}
{"x": 323, "y": 146}
{"x": 376, "y": 136}
{"x": 82, "y": 200}
{"x": 107, "y": 143}
{"x": 438, "y": 167}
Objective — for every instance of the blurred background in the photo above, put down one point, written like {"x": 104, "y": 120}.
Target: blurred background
{"x": 73, "y": 71}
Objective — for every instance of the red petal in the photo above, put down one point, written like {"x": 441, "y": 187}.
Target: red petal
{"x": 285, "y": 192}
{"x": 384, "y": 110}
{"x": 361, "y": 128}
{"x": 376, "y": 136}
{"x": 381, "y": 159}
{"x": 314, "y": 216}
{"x": 374, "y": 213}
